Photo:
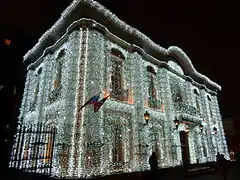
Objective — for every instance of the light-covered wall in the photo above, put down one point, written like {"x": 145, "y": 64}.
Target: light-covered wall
{"x": 84, "y": 141}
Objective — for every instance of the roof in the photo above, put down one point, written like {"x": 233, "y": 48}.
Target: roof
{"x": 91, "y": 9}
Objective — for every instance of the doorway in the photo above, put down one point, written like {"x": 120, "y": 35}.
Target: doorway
{"x": 184, "y": 148}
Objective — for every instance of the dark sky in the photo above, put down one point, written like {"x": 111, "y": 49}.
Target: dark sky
{"x": 208, "y": 31}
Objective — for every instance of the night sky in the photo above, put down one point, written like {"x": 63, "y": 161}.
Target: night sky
{"x": 208, "y": 31}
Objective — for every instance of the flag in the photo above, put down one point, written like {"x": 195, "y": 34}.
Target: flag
{"x": 99, "y": 104}
{"x": 93, "y": 100}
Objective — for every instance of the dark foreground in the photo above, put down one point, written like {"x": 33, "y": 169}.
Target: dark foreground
{"x": 205, "y": 172}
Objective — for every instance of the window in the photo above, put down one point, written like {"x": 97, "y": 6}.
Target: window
{"x": 58, "y": 75}
{"x": 210, "y": 109}
{"x": 55, "y": 93}
{"x": 117, "y": 80}
{"x": 36, "y": 90}
{"x": 118, "y": 145}
{"x": 152, "y": 92}
{"x": 26, "y": 149}
{"x": 49, "y": 148}
{"x": 197, "y": 100}
{"x": 176, "y": 90}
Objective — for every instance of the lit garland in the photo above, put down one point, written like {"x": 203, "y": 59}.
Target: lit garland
{"x": 115, "y": 139}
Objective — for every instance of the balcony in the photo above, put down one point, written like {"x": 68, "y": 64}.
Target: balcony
{"x": 186, "y": 109}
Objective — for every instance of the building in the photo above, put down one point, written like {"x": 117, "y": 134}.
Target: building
{"x": 90, "y": 51}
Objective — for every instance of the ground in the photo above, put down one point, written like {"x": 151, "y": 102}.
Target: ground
{"x": 169, "y": 174}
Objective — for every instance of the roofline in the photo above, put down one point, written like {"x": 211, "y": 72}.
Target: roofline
{"x": 143, "y": 43}
{"x": 52, "y": 33}
{"x": 172, "y": 51}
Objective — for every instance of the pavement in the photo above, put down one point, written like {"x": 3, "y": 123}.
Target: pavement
{"x": 203, "y": 172}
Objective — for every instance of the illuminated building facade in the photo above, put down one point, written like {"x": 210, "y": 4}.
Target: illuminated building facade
{"x": 87, "y": 51}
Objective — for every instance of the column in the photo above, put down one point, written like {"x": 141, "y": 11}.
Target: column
{"x": 207, "y": 128}
{"x": 169, "y": 138}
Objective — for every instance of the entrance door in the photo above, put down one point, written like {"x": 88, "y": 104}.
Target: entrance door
{"x": 184, "y": 148}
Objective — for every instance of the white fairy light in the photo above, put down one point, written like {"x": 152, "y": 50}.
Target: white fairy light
{"x": 116, "y": 138}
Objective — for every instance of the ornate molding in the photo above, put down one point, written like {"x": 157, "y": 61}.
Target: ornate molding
{"x": 172, "y": 51}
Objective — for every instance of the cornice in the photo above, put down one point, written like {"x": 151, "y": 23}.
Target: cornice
{"x": 173, "y": 51}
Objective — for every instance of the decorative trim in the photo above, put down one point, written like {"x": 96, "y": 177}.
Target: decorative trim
{"x": 172, "y": 51}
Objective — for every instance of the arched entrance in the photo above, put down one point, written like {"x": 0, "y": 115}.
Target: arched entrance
{"x": 184, "y": 148}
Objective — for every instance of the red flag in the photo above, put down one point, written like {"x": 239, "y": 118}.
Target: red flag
{"x": 99, "y": 104}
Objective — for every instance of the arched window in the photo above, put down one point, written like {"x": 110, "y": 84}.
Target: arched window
{"x": 176, "y": 91}
{"x": 36, "y": 90}
{"x": 210, "y": 109}
{"x": 58, "y": 73}
{"x": 152, "y": 92}
{"x": 118, "y": 137}
{"x": 56, "y": 88}
{"x": 37, "y": 85}
{"x": 197, "y": 100}
{"x": 117, "y": 80}
{"x": 118, "y": 145}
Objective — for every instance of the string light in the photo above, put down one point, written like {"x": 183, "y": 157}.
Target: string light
{"x": 113, "y": 140}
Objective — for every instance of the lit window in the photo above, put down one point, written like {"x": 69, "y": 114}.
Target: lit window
{"x": 49, "y": 148}
{"x": 152, "y": 92}
{"x": 26, "y": 149}
{"x": 36, "y": 91}
{"x": 118, "y": 145}
{"x": 58, "y": 75}
{"x": 56, "y": 91}
{"x": 117, "y": 80}
{"x": 210, "y": 109}
{"x": 197, "y": 100}
{"x": 176, "y": 91}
